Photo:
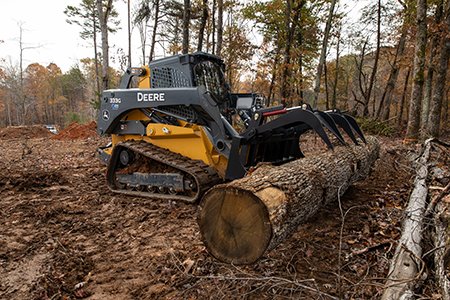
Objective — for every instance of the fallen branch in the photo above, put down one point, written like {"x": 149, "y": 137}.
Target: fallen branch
{"x": 406, "y": 263}
{"x": 442, "y": 194}
{"x": 440, "y": 243}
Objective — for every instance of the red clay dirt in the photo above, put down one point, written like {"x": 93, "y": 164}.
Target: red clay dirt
{"x": 18, "y": 132}
{"x": 77, "y": 131}
{"x": 64, "y": 235}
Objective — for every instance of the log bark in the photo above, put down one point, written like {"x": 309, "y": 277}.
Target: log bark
{"x": 406, "y": 264}
{"x": 441, "y": 245}
{"x": 241, "y": 220}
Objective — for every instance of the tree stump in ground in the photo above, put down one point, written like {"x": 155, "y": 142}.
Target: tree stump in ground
{"x": 241, "y": 220}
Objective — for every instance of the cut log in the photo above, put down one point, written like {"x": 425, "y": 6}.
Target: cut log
{"x": 406, "y": 263}
{"x": 243, "y": 219}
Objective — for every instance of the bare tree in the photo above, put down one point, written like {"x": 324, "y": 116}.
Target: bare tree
{"x": 141, "y": 19}
{"x": 386, "y": 99}
{"x": 441, "y": 80}
{"x": 155, "y": 28}
{"x": 323, "y": 53}
{"x": 292, "y": 15}
{"x": 203, "y": 20}
{"x": 402, "y": 100}
{"x": 336, "y": 73}
{"x": 219, "y": 26}
{"x": 22, "y": 99}
{"x": 129, "y": 32}
{"x": 412, "y": 130}
{"x": 431, "y": 66}
{"x": 186, "y": 21}
{"x": 375, "y": 64}
{"x": 103, "y": 11}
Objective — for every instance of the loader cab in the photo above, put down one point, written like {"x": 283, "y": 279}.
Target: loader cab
{"x": 191, "y": 70}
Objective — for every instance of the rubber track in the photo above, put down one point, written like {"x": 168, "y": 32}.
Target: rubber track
{"x": 205, "y": 176}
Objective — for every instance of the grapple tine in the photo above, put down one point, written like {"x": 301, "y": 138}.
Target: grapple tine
{"x": 299, "y": 117}
{"x": 344, "y": 124}
{"x": 355, "y": 126}
{"x": 314, "y": 122}
{"x": 328, "y": 122}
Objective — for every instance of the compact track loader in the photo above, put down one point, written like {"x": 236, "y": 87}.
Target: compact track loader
{"x": 174, "y": 136}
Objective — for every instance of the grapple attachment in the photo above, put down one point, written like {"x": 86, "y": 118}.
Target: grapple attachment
{"x": 273, "y": 133}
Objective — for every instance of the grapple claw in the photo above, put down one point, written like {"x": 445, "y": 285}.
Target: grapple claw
{"x": 328, "y": 122}
{"x": 344, "y": 124}
{"x": 355, "y": 127}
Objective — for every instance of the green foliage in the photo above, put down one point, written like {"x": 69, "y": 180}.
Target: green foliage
{"x": 71, "y": 117}
{"x": 74, "y": 87}
{"x": 95, "y": 102}
{"x": 371, "y": 126}
{"x": 85, "y": 16}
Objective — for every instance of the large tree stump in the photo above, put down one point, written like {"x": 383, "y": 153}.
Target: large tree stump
{"x": 241, "y": 220}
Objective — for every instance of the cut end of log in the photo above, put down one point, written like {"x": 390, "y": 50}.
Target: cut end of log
{"x": 235, "y": 225}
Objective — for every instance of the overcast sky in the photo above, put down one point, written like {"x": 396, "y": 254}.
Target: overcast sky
{"x": 45, "y": 28}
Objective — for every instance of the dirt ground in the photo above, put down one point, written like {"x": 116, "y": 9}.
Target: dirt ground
{"x": 64, "y": 235}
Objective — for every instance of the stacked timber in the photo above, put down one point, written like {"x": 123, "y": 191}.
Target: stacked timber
{"x": 243, "y": 219}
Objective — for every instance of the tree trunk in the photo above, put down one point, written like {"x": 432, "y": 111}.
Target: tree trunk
{"x": 375, "y": 64}
{"x": 274, "y": 74}
{"x": 327, "y": 94}
{"x": 336, "y": 72}
{"x": 300, "y": 59}
{"x": 405, "y": 265}
{"x": 386, "y": 99}
{"x": 201, "y": 31}
{"x": 440, "y": 239}
{"x": 103, "y": 15}
{"x": 219, "y": 27}
{"x": 155, "y": 30}
{"x": 241, "y": 220}
{"x": 213, "y": 23}
{"x": 290, "y": 25}
{"x": 97, "y": 71}
{"x": 445, "y": 108}
{"x": 412, "y": 131}
{"x": 323, "y": 53}
{"x": 431, "y": 68}
{"x": 186, "y": 21}
{"x": 361, "y": 78}
{"x": 402, "y": 101}
{"x": 129, "y": 32}
{"x": 441, "y": 80}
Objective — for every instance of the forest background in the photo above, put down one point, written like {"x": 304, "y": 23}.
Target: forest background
{"x": 386, "y": 64}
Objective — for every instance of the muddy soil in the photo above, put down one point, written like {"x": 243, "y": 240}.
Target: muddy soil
{"x": 64, "y": 235}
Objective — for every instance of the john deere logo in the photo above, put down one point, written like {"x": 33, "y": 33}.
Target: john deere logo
{"x": 153, "y": 97}
{"x": 105, "y": 115}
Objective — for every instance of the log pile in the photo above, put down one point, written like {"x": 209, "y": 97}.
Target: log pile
{"x": 241, "y": 220}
